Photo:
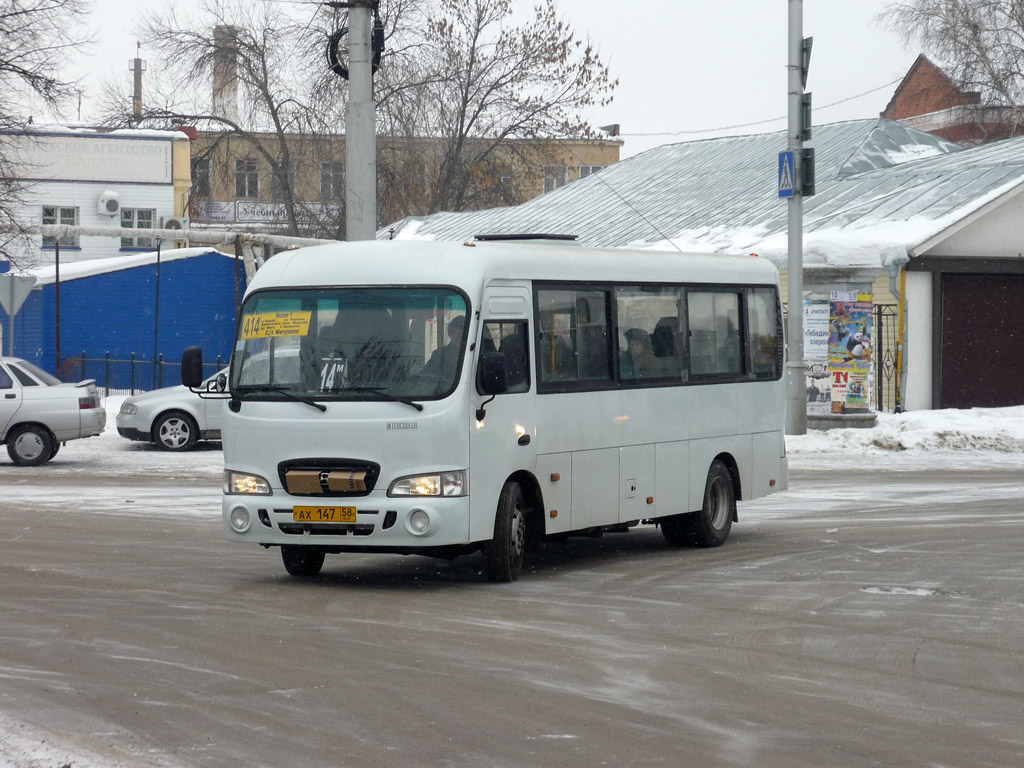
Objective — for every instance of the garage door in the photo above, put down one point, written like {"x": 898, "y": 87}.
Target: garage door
{"x": 982, "y": 342}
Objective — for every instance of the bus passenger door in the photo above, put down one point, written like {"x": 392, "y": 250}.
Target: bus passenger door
{"x": 504, "y": 441}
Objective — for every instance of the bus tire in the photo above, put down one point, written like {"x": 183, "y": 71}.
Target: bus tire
{"x": 709, "y": 526}
{"x": 507, "y": 550}
{"x": 302, "y": 561}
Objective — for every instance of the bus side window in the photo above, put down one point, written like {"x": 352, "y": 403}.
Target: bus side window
{"x": 651, "y": 341}
{"x": 765, "y": 332}
{"x": 509, "y": 339}
{"x": 715, "y": 342}
{"x": 573, "y": 340}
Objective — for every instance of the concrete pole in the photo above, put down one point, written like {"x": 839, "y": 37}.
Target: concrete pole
{"x": 360, "y": 130}
{"x": 10, "y": 327}
{"x": 796, "y": 411}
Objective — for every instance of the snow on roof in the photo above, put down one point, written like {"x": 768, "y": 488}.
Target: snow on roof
{"x": 882, "y": 189}
{"x": 76, "y": 270}
{"x": 122, "y": 133}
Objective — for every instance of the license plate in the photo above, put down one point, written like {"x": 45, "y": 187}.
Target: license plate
{"x": 324, "y": 514}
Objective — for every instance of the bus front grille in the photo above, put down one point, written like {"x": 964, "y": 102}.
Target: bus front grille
{"x": 331, "y": 478}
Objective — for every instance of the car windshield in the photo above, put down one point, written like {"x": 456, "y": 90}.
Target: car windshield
{"x": 350, "y": 344}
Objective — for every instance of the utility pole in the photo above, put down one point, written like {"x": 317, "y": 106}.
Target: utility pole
{"x": 360, "y": 128}
{"x": 797, "y": 168}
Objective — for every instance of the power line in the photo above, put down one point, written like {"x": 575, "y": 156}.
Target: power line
{"x": 762, "y": 122}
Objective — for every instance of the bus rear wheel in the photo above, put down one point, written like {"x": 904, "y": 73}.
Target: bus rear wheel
{"x": 302, "y": 561}
{"x": 709, "y": 526}
{"x": 506, "y": 552}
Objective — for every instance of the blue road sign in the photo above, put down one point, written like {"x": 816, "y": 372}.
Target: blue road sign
{"x": 787, "y": 187}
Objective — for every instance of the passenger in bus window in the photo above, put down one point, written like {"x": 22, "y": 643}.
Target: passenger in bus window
{"x": 443, "y": 363}
{"x": 637, "y": 362}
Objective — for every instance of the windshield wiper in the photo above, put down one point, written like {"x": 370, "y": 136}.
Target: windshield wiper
{"x": 380, "y": 391}
{"x": 279, "y": 391}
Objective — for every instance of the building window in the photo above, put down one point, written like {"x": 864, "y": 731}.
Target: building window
{"x": 137, "y": 218}
{"x": 247, "y": 178}
{"x": 281, "y": 179}
{"x": 332, "y": 180}
{"x": 554, "y": 177}
{"x": 586, "y": 170}
{"x": 201, "y": 186}
{"x": 66, "y": 216}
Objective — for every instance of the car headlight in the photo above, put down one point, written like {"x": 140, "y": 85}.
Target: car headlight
{"x": 240, "y": 483}
{"x": 435, "y": 484}
{"x": 128, "y": 409}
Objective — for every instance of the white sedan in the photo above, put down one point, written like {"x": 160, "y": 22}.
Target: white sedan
{"x": 39, "y": 412}
{"x": 174, "y": 418}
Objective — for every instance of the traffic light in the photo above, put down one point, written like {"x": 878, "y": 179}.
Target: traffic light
{"x": 807, "y": 171}
{"x": 805, "y": 116}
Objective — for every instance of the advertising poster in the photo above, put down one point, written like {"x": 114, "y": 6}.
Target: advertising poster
{"x": 849, "y": 351}
{"x": 816, "y": 335}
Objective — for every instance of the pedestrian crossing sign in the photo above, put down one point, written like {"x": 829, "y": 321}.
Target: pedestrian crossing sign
{"x": 787, "y": 187}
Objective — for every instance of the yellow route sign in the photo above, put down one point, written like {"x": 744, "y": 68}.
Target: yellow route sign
{"x": 269, "y": 324}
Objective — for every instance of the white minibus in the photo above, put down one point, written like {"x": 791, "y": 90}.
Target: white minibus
{"x": 420, "y": 397}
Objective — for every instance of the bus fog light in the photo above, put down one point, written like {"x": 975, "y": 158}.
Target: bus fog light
{"x": 419, "y": 521}
{"x": 239, "y": 519}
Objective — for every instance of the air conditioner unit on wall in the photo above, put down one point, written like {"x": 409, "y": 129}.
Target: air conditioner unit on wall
{"x": 109, "y": 204}
{"x": 173, "y": 222}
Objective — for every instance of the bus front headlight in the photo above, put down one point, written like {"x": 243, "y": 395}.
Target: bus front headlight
{"x": 435, "y": 484}
{"x": 240, "y": 483}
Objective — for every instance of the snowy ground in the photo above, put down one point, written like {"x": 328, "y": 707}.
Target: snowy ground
{"x": 976, "y": 438}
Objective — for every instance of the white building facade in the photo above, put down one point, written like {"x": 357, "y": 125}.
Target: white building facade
{"x": 83, "y": 178}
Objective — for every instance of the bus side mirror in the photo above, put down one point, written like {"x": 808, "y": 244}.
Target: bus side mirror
{"x": 192, "y": 367}
{"x": 493, "y": 374}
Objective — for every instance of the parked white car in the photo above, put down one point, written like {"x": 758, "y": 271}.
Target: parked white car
{"x": 174, "y": 418}
{"x": 39, "y": 412}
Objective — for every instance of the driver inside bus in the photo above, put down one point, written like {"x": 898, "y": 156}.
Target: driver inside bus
{"x": 443, "y": 363}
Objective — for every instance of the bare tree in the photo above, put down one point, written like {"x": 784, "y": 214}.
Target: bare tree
{"x": 236, "y": 71}
{"x": 980, "y": 43}
{"x": 481, "y": 82}
{"x": 35, "y": 36}
{"x": 461, "y": 94}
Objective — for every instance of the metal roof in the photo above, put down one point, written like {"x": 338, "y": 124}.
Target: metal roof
{"x": 877, "y": 182}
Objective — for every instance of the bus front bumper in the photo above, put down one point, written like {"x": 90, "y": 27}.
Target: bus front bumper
{"x": 380, "y": 523}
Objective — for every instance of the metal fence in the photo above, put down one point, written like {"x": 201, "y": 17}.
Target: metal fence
{"x": 887, "y": 344}
{"x": 126, "y": 377}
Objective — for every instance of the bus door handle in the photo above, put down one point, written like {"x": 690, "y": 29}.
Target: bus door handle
{"x": 524, "y": 439}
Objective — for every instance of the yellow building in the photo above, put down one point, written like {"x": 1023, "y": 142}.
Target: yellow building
{"x": 298, "y": 185}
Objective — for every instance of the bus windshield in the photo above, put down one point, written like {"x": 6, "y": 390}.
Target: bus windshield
{"x": 350, "y": 344}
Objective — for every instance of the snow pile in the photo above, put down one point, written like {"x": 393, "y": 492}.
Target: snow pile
{"x": 986, "y": 430}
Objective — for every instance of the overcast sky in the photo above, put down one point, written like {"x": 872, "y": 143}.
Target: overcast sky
{"x": 684, "y": 68}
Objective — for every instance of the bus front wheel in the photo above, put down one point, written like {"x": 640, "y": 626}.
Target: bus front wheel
{"x": 709, "y": 526}
{"x": 302, "y": 561}
{"x": 507, "y": 550}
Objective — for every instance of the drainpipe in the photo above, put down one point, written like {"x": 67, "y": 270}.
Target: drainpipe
{"x": 895, "y": 268}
